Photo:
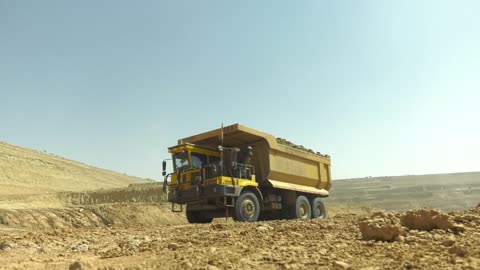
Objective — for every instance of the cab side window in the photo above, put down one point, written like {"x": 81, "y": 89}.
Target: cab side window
{"x": 198, "y": 160}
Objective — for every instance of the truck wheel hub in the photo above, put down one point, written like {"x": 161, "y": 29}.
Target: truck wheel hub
{"x": 303, "y": 211}
{"x": 248, "y": 208}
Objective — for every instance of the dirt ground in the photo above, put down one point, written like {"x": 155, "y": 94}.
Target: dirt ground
{"x": 334, "y": 243}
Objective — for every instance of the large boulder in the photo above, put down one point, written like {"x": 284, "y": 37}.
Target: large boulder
{"x": 426, "y": 220}
{"x": 380, "y": 226}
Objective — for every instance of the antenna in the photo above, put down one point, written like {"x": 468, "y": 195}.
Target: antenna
{"x": 221, "y": 150}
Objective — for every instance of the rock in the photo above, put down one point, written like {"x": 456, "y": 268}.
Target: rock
{"x": 218, "y": 226}
{"x": 400, "y": 238}
{"x": 458, "y": 228}
{"x": 263, "y": 228}
{"x": 411, "y": 239}
{"x": 341, "y": 245}
{"x": 142, "y": 239}
{"x": 80, "y": 265}
{"x": 110, "y": 248}
{"x": 188, "y": 264}
{"x": 299, "y": 147}
{"x": 75, "y": 266}
{"x": 381, "y": 226}
{"x": 173, "y": 246}
{"x": 212, "y": 267}
{"x": 5, "y": 246}
{"x": 341, "y": 265}
{"x": 323, "y": 251}
{"x": 452, "y": 259}
{"x": 408, "y": 265}
{"x": 134, "y": 243}
{"x": 297, "y": 234}
{"x": 81, "y": 248}
{"x": 458, "y": 250}
{"x": 426, "y": 220}
{"x": 43, "y": 249}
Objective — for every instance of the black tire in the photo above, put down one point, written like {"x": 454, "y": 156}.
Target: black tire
{"x": 247, "y": 207}
{"x": 303, "y": 210}
{"x": 197, "y": 217}
{"x": 318, "y": 208}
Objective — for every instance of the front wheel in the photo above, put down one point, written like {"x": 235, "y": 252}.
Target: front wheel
{"x": 247, "y": 207}
{"x": 197, "y": 216}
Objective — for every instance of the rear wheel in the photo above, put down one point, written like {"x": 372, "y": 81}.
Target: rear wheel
{"x": 318, "y": 208}
{"x": 303, "y": 209}
{"x": 247, "y": 207}
{"x": 197, "y": 217}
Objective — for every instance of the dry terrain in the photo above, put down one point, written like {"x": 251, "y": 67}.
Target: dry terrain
{"x": 30, "y": 178}
{"x": 335, "y": 243}
{"x": 455, "y": 191}
{"x": 60, "y": 214}
{"x": 26, "y": 171}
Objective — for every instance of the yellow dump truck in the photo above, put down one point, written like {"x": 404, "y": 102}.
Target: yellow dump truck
{"x": 249, "y": 175}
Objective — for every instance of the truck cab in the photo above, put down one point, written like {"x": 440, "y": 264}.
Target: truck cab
{"x": 210, "y": 180}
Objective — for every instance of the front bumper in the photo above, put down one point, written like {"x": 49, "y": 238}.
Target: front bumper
{"x": 200, "y": 192}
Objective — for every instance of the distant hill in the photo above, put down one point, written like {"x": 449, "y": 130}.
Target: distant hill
{"x": 453, "y": 191}
{"x": 25, "y": 171}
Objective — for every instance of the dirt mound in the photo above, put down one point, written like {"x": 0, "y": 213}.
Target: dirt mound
{"x": 385, "y": 226}
{"x": 91, "y": 216}
{"x": 135, "y": 193}
{"x": 381, "y": 226}
{"x": 26, "y": 171}
{"x": 427, "y": 220}
{"x": 299, "y": 147}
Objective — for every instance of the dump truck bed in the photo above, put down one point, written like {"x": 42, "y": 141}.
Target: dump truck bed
{"x": 278, "y": 163}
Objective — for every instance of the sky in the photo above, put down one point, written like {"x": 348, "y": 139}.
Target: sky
{"x": 383, "y": 87}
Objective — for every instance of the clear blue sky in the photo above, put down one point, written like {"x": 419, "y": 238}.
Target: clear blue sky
{"x": 384, "y": 87}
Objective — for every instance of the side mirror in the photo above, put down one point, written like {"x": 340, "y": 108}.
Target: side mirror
{"x": 164, "y": 168}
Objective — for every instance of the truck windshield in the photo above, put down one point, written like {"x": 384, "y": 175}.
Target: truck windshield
{"x": 181, "y": 161}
